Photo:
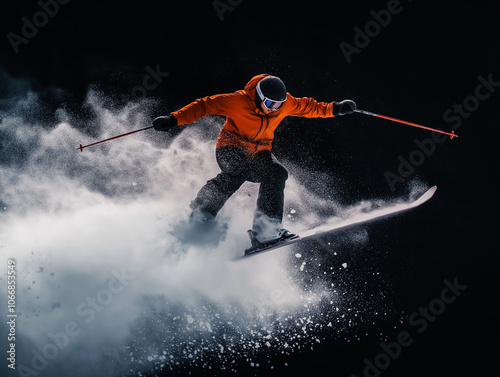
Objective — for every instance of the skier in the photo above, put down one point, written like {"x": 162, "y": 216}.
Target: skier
{"x": 243, "y": 149}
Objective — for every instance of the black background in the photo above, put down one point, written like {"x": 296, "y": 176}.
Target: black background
{"x": 427, "y": 59}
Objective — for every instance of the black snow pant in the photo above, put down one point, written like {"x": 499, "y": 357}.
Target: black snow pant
{"x": 236, "y": 168}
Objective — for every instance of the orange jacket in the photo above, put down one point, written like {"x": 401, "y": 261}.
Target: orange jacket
{"x": 247, "y": 126}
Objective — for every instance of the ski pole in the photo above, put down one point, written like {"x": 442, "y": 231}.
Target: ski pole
{"x": 112, "y": 138}
{"x": 452, "y": 134}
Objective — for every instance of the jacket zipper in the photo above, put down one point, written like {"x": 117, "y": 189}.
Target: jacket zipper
{"x": 261, "y": 124}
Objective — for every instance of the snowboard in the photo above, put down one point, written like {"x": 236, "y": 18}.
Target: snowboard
{"x": 341, "y": 225}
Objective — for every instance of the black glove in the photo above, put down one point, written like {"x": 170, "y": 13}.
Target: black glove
{"x": 165, "y": 123}
{"x": 344, "y": 107}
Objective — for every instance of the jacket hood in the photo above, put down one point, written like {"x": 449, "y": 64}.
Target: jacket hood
{"x": 252, "y": 84}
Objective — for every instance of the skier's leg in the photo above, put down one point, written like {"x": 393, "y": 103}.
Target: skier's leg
{"x": 212, "y": 197}
{"x": 266, "y": 169}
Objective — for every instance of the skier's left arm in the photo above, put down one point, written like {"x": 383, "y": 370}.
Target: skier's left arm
{"x": 218, "y": 104}
{"x": 310, "y": 108}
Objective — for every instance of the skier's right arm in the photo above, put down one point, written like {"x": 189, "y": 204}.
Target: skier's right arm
{"x": 211, "y": 105}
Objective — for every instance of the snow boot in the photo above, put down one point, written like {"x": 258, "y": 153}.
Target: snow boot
{"x": 202, "y": 229}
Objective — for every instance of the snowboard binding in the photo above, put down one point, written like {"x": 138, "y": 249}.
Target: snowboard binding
{"x": 283, "y": 235}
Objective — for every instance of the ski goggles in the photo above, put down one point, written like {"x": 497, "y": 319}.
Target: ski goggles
{"x": 269, "y": 103}
{"x": 272, "y": 105}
